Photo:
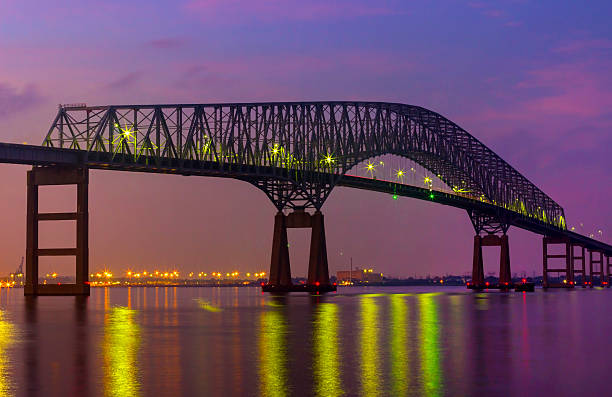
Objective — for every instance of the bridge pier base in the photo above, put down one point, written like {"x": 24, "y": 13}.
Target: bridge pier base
{"x": 581, "y": 268}
{"x": 568, "y": 260}
{"x": 280, "y": 270}
{"x": 505, "y": 277}
{"x": 608, "y": 266}
{"x": 318, "y": 271}
{"x": 56, "y": 175}
{"x": 477, "y": 265}
{"x": 595, "y": 272}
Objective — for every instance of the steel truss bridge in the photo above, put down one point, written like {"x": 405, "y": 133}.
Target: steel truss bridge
{"x": 297, "y": 153}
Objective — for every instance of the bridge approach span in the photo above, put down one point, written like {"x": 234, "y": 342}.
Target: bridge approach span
{"x": 46, "y": 156}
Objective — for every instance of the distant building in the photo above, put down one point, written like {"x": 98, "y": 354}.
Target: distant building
{"x": 359, "y": 275}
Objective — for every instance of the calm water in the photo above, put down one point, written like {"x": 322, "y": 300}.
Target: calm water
{"x": 239, "y": 342}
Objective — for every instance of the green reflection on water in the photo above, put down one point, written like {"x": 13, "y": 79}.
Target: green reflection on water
{"x": 273, "y": 353}
{"x": 121, "y": 343}
{"x": 7, "y": 338}
{"x": 431, "y": 373}
{"x": 370, "y": 375}
{"x": 399, "y": 342}
{"x": 326, "y": 360}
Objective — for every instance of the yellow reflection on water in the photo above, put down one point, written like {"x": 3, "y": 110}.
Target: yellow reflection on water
{"x": 273, "y": 370}
{"x": 121, "y": 343}
{"x": 431, "y": 373}
{"x": 7, "y": 338}
{"x": 399, "y": 344}
{"x": 370, "y": 375}
{"x": 326, "y": 363}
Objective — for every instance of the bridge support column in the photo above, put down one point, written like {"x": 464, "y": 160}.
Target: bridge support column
{"x": 568, "y": 260}
{"x": 280, "y": 268}
{"x": 505, "y": 277}
{"x": 280, "y": 273}
{"x": 318, "y": 271}
{"x": 608, "y": 266}
{"x": 491, "y": 240}
{"x": 477, "y": 265}
{"x": 595, "y": 272}
{"x": 41, "y": 176}
{"x": 580, "y": 267}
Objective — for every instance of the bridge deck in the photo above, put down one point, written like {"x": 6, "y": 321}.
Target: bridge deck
{"x": 39, "y": 155}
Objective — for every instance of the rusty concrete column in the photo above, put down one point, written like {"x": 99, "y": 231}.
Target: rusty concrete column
{"x": 544, "y": 263}
{"x": 583, "y": 263}
{"x": 57, "y": 175}
{"x": 477, "y": 264}
{"x": 318, "y": 272}
{"x": 608, "y": 264}
{"x": 505, "y": 277}
{"x": 31, "y": 275}
{"x": 569, "y": 264}
{"x": 591, "y": 268}
{"x": 280, "y": 268}
{"x": 82, "y": 225}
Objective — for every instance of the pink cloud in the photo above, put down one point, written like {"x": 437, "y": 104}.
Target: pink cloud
{"x": 232, "y": 10}
{"x": 577, "y": 89}
{"x": 575, "y": 46}
{"x": 13, "y": 100}
{"x": 513, "y": 24}
{"x": 166, "y": 43}
{"x": 493, "y": 13}
{"x": 127, "y": 80}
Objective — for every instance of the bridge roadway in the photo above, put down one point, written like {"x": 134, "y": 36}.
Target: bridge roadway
{"x": 44, "y": 156}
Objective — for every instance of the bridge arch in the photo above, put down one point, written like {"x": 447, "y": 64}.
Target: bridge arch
{"x": 297, "y": 152}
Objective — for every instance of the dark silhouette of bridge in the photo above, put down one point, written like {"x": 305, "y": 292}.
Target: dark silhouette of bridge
{"x": 296, "y": 153}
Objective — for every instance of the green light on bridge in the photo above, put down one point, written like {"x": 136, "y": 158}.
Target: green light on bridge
{"x": 431, "y": 196}
{"x": 395, "y": 197}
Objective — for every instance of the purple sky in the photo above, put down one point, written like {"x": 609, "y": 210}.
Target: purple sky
{"x": 529, "y": 79}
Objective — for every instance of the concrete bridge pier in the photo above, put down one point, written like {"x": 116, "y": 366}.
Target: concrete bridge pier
{"x": 280, "y": 271}
{"x": 593, "y": 271}
{"x": 580, "y": 267}
{"x": 567, "y": 259}
{"x": 491, "y": 240}
{"x": 608, "y": 265}
{"x": 318, "y": 271}
{"x": 57, "y": 175}
{"x": 280, "y": 268}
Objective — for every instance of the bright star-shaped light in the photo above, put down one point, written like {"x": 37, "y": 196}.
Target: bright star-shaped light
{"x": 328, "y": 159}
{"x": 370, "y": 168}
{"x": 125, "y": 135}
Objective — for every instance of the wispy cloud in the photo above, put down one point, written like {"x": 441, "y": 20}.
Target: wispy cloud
{"x": 493, "y": 13}
{"x": 167, "y": 43}
{"x": 513, "y": 24}
{"x": 13, "y": 100}
{"x": 126, "y": 81}
{"x": 587, "y": 44}
{"x": 231, "y": 11}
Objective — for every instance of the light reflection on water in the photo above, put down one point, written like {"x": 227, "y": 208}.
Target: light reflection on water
{"x": 273, "y": 351}
{"x": 400, "y": 358}
{"x": 369, "y": 345}
{"x": 120, "y": 347}
{"x": 239, "y": 342}
{"x": 431, "y": 376}
{"x": 326, "y": 365}
{"x": 7, "y": 338}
